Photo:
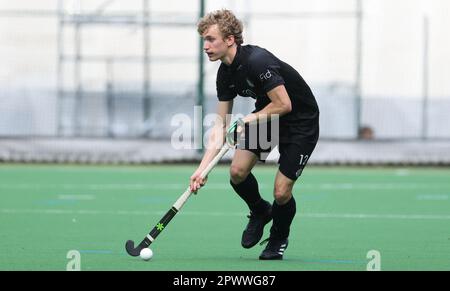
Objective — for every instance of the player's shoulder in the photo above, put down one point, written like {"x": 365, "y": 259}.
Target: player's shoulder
{"x": 257, "y": 55}
{"x": 221, "y": 72}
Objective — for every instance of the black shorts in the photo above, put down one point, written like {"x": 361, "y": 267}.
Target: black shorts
{"x": 294, "y": 155}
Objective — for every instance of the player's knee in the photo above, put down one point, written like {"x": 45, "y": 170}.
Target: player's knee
{"x": 282, "y": 193}
{"x": 238, "y": 174}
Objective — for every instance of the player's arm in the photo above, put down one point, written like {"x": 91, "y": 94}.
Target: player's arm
{"x": 264, "y": 70}
{"x": 215, "y": 142}
{"x": 280, "y": 105}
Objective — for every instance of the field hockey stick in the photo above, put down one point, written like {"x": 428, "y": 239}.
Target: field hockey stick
{"x": 151, "y": 236}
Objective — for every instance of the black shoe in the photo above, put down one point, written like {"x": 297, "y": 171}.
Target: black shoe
{"x": 274, "y": 249}
{"x": 255, "y": 228}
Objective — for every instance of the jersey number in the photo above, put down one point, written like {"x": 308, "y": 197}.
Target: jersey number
{"x": 303, "y": 160}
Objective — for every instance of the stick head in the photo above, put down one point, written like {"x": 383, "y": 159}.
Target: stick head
{"x": 131, "y": 250}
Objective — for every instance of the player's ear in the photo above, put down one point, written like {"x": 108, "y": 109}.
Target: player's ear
{"x": 229, "y": 40}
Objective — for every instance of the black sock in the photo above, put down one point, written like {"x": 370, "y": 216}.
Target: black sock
{"x": 248, "y": 190}
{"x": 282, "y": 218}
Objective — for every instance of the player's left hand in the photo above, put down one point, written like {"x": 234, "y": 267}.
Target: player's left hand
{"x": 196, "y": 182}
{"x": 234, "y": 132}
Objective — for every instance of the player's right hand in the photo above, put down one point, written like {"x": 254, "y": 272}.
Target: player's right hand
{"x": 234, "y": 132}
{"x": 196, "y": 182}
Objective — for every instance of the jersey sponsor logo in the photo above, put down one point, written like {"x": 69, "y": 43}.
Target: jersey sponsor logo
{"x": 265, "y": 76}
{"x": 231, "y": 86}
{"x": 298, "y": 173}
{"x": 248, "y": 92}
{"x": 250, "y": 83}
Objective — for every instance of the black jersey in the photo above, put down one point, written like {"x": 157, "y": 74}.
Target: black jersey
{"x": 254, "y": 72}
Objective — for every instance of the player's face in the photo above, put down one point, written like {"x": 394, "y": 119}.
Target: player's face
{"x": 214, "y": 45}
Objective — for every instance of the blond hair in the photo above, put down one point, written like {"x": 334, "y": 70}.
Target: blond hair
{"x": 226, "y": 21}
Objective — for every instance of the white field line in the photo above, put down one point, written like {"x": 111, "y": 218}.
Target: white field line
{"x": 437, "y": 197}
{"x": 376, "y": 216}
{"x": 217, "y": 186}
{"x": 227, "y": 214}
{"x": 76, "y": 197}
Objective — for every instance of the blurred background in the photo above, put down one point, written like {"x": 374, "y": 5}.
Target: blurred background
{"x": 100, "y": 81}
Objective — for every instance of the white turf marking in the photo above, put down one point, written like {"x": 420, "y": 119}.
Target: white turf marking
{"x": 430, "y": 197}
{"x": 225, "y": 186}
{"x": 76, "y": 197}
{"x": 107, "y": 186}
{"x": 376, "y": 216}
{"x": 191, "y": 213}
{"x": 403, "y": 172}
